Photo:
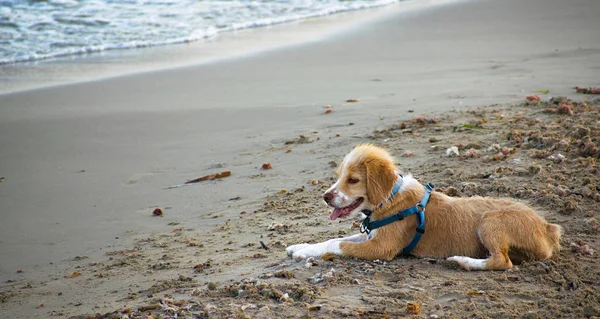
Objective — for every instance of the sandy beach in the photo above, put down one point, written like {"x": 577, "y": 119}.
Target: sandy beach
{"x": 84, "y": 165}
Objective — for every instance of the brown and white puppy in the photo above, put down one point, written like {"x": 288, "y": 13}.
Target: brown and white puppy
{"x": 476, "y": 232}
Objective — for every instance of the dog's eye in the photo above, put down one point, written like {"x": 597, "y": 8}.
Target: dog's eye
{"x": 352, "y": 180}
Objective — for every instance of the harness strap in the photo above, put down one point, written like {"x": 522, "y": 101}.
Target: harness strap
{"x": 367, "y": 226}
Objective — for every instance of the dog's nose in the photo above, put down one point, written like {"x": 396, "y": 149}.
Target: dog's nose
{"x": 328, "y": 197}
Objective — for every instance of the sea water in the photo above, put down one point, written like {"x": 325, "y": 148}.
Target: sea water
{"x": 34, "y": 30}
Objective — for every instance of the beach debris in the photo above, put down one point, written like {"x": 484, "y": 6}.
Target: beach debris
{"x": 322, "y": 276}
{"x": 580, "y": 247}
{"x": 235, "y": 198}
{"x": 532, "y": 100}
{"x": 565, "y": 108}
{"x": 288, "y": 150}
{"x": 413, "y": 307}
{"x": 209, "y": 177}
{"x": 352, "y": 100}
{"x": 147, "y": 308}
{"x": 201, "y": 267}
{"x": 264, "y": 246}
{"x": 452, "y": 151}
{"x": 39, "y": 306}
{"x": 470, "y": 153}
{"x": 328, "y": 111}
{"x": 310, "y": 262}
{"x": 286, "y": 298}
{"x": 1, "y": 179}
{"x": 157, "y": 212}
{"x": 592, "y": 224}
{"x": 248, "y": 306}
{"x": 313, "y": 307}
{"x": 212, "y": 286}
{"x": 279, "y": 227}
{"x": 470, "y": 126}
{"x": 73, "y": 274}
{"x": 542, "y": 91}
{"x": 560, "y": 158}
{"x": 327, "y": 106}
{"x": 284, "y": 274}
{"x": 419, "y": 120}
{"x": 588, "y": 90}
{"x": 333, "y": 164}
{"x": 314, "y": 182}
{"x": 302, "y": 139}
{"x": 20, "y": 271}
{"x": 266, "y": 166}
{"x": 408, "y": 154}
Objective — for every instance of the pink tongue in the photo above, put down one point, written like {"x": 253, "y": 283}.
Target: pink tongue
{"x": 337, "y": 212}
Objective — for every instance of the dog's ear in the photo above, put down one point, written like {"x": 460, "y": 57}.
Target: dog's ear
{"x": 381, "y": 178}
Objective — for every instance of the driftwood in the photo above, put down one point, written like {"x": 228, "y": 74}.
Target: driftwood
{"x": 210, "y": 177}
{"x": 203, "y": 178}
{"x": 589, "y": 90}
{"x": 264, "y": 246}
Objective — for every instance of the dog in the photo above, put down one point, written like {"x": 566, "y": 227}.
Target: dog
{"x": 478, "y": 233}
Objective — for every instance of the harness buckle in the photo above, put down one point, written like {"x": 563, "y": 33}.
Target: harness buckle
{"x": 420, "y": 207}
{"x": 364, "y": 225}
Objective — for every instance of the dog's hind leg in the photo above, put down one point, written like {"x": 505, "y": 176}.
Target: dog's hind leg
{"x": 494, "y": 233}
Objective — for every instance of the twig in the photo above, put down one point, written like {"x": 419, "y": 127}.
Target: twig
{"x": 146, "y": 308}
{"x": 203, "y": 178}
{"x": 210, "y": 177}
{"x": 265, "y": 247}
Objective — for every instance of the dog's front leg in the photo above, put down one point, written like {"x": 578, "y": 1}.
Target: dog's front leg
{"x": 316, "y": 250}
{"x": 370, "y": 250}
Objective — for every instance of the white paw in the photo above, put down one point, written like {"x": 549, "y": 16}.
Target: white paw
{"x": 294, "y": 248}
{"x": 468, "y": 263}
{"x": 308, "y": 252}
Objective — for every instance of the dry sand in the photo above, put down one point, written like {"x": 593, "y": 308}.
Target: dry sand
{"x": 85, "y": 164}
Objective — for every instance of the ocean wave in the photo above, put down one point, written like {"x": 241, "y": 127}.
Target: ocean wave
{"x": 31, "y": 31}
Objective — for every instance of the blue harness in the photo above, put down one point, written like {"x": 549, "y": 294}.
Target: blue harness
{"x": 367, "y": 225}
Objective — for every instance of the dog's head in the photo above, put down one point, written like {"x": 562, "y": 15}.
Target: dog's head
{"x": 365, "y": 178}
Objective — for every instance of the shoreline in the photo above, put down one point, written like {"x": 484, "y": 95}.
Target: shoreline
{"x": 221, "y": 47}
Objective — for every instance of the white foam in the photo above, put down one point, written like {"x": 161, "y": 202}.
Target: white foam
{"x": 43, "y": 30}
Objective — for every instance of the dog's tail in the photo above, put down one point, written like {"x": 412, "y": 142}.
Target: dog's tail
{"x": 553, "y": 233}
